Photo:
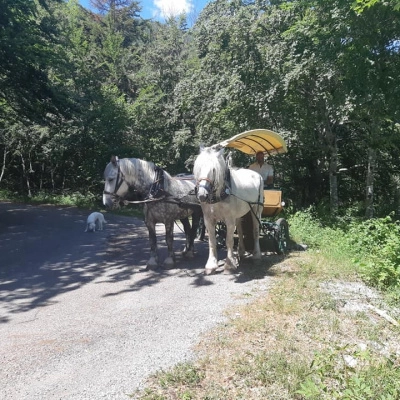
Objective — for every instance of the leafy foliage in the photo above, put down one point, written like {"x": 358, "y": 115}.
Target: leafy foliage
{"x": 377, "y": 245}
{"x": 371, "y": 246}
{"x": 78, "y": 86}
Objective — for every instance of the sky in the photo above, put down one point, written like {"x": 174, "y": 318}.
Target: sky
{"x": 159, "y": 9}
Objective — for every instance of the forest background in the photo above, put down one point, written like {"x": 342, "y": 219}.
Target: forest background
{"x": 78, "y": 85}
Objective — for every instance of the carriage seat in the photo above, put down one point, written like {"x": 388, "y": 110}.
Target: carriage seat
{"x": 272, "y": 203}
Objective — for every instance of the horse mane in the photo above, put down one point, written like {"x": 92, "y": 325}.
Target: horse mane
{"x": 214, "y": 161}
{"x": 142, "y": 172}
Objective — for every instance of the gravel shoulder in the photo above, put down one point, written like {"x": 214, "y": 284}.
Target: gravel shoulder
{"x": 80, "y": 319}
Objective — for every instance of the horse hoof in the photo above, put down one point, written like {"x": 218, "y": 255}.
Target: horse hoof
{"x": 209, "y": 271}
{"x": 188, "y": 254}
{"x": 229, "y": 271}
{"x": 152, "y": 264}
{"x": 256, "y": 257}
{"x": 169, "y": 263}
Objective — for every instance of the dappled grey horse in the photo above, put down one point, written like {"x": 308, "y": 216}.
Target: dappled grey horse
{"x": 165, "y": 198}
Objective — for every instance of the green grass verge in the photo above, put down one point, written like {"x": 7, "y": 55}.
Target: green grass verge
{"x": 297, "y": 342}
{"x": 87, "y": 201}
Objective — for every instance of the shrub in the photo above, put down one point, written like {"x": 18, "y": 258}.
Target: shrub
{"x": 372, "y": 246}
{"x": 377, "y": 245}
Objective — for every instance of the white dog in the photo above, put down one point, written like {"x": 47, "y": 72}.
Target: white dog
{"x": 95, "y": 220}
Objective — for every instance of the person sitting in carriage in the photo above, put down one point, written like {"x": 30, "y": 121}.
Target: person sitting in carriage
{"x": 264, "y": 169}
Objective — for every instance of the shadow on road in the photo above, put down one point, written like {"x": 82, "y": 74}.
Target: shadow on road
{"x": 45, "y": 253}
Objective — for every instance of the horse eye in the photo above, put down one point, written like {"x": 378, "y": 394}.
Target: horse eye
{"x": 110, "y": 179}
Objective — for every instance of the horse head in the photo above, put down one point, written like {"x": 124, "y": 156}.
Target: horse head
{"x": 209, "y": 172}
{"x": 115, "y": 185}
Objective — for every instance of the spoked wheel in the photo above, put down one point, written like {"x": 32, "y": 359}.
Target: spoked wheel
{"x": 220, "y": 234}
{"x": 281, "y": 237}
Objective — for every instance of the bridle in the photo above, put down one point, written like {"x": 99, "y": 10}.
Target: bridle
{"x": 119, "y": 181}
{"x": 156, "y": 191}
{"x": 209, "y": 186}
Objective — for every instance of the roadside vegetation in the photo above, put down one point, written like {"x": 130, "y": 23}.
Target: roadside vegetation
{"x": 318, "y": 333}
{"x": 89, "y": 201}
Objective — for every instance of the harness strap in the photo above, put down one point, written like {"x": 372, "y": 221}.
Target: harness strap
{"x": 225, "y": 191}
{"x": 166, "y": 199}
{"x": 118, "y": 182}
{"x": 157, "y": 188}
{"x": 126, "y": 202}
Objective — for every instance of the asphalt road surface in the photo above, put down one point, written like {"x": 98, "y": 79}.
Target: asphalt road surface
{"x": 80, "y": 318}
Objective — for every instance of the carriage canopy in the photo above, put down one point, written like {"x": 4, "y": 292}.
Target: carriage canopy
{"x": 251, "y": 142}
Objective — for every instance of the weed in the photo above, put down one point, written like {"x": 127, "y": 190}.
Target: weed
{"x": 185, "y": 373}
{"x": 344, "y": 373}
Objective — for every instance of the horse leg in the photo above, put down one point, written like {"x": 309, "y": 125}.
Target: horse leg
{"x": 153, "y": 261}
{"x": 230, "y": 263}
{"x": 192, "y": 232}
{"x": 188, "y": 251}
{"x": 256, "y": 233}
{"x": 212, "y": 262}
{"x": 169, "y": 262}
{"x": 196, "y": 216}
{"x": 241, "y": 249}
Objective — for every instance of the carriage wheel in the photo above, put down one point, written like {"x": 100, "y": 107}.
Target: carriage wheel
{"x": 220, "y": 234}
{"x": 281, "y": 236}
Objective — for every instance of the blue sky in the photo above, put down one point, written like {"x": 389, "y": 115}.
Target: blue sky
{"x": 158, "y": 9}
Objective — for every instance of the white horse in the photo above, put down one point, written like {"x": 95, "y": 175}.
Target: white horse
{"x": 166, "y": 199}
{"x": 226, "y": 195}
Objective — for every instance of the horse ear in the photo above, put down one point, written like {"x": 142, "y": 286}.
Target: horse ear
{"x": 220, "y": 150}
{"x": 217, "y": 147}
{"x": 114, "y": 160}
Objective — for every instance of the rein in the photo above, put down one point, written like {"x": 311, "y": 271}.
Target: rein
{"x": 126, "y": 202}
{"x": 165, "y": 199}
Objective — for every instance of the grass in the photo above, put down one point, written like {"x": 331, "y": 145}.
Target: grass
{"x": 88, "y": 201}
{"x": 294, "y": 343}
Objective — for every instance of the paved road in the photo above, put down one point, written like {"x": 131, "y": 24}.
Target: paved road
{"x": 80, "y": 319}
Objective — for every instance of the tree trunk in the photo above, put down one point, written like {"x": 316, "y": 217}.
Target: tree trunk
{"x": 333, "y": 182}
{"x": 3, "y": 167}
{"x": 369, "y": 193}
{"x": 26, "y": 176}
{"x": 331, "y": 141}
{"x": 42, "y": 170}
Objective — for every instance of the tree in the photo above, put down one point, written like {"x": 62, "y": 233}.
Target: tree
{"x": 26, "y": 56}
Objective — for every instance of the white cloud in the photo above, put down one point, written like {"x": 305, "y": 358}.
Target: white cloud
{"x": 170, "y": 8}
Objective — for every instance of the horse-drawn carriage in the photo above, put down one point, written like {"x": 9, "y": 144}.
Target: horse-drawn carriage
{"x": 274, "y": 235}
{"x": 220, "y": 193}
